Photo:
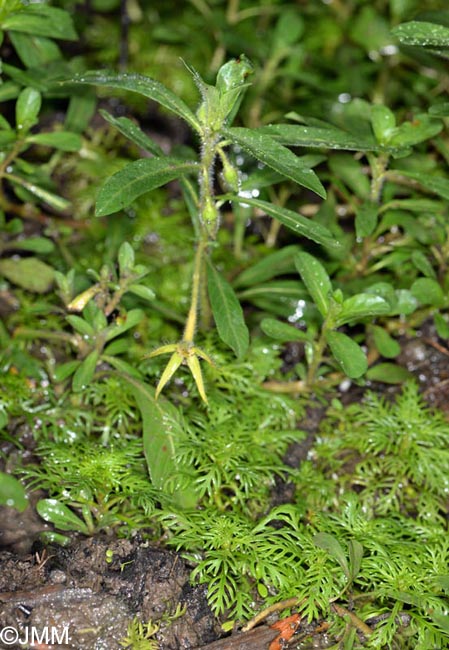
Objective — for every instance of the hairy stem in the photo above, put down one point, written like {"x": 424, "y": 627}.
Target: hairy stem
{"x": 189, "y": 331}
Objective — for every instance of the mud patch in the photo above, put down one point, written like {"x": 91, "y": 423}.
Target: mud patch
{"x": 92, "y": 591}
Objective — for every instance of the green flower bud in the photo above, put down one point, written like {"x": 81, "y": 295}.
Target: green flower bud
{"x": 210, "y": 216}
{"x": 231, "y": 83}
{"x": 230, "y": 175}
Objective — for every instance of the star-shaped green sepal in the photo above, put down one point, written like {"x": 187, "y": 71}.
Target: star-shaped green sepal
{"x": 184, "y": 352}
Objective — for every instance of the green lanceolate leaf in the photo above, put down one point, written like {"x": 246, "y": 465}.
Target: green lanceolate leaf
{"x": 28, "y": 106}
{"x": 274, "y": 155}
{"x": 7, "y": 137}
{"x": 423, "y": 34}
{"x": 62, "y": 140}
{"x": 386, "y": 345}
{"x": 349, "y": 356}
{"x": 137, "y": 178}
{"x": 383, "y": 122}
{"x": 361, "y": 306}
{"x": 279, "y": 297}
{"x": 428, "y": 292}
{"x": 366, "y": 219}
{"x": 355, "y": 558}
{"x": 34, "y": 51}
{"x": 292, "y": 220}
{"x": 60, "y": 515}
{"x": 389, "y": 373}
{"x": 437, "y": 184}
{"x": 80, "y": 325}
{"x": 227, "y": 312}
{"x": 126, "y": 259}
{"x": 85, "y": 372}
{"x": 162, "y": 427}
{"x": 123, "y": 324}
{"x": 441, "y": 325}
{"x": 133, "y": 132}
{"x": 81, "y": 109}
{"x": 277, "y": 263}
{"x": 53, "y": 200}
{"x": 331, "y": 544}
{"x": 325, "y": 138}
{"x": 410, "y": 133}
{"x": 65, "y": 370}
{"x": 142, "y": 291}
{"x": 12, "y": 492}
{"x": 29, "y": 273}
{"x": 440, "y": 109}
{"x": 422, "y": 263}
{"x": 316, "y": 279}
{"x": 282, "y": 332}
{"x": 42, "y": 21}
{"x": 143, "y": 86}
{"x": 35, "y": 244}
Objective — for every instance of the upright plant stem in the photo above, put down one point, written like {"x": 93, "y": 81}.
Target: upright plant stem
{"x": 189, "y": 331}
{"x": 206, "y": 185}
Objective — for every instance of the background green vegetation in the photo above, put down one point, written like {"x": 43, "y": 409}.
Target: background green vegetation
{"x": 325, "y": 231}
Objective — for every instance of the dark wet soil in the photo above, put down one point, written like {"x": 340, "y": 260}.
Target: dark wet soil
{"x": 96, "y": 587}
{"x": 92, "y": 590}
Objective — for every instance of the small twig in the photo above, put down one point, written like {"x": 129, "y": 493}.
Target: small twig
{"x": 437, "y": 346}
{"x": 355, "y": 620}
{"x": 261, "y": 616}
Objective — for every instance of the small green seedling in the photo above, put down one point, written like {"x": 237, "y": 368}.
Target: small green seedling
{"x": 97, "y": 331}
{"x": 212, "y": 126}
{"x": 335, "y": 311}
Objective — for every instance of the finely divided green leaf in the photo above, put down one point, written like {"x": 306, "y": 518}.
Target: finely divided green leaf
{"x": 292, "y": 220}
{"x": 137, "y": 178}
{"x": 349, "y": 356}
{"x": 143, "y": 86}
{"x": 316, "y": 279}
{"x": 264, "y": 148}
{"x": 227, "y": 312}
{"x": 133, "y": 132}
